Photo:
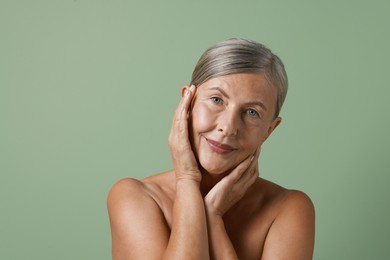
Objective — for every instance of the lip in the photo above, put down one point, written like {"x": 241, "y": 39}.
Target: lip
{"x": 219, "y": 147}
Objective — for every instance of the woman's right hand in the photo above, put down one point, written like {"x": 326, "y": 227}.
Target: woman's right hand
{"x": 184, "y": 162}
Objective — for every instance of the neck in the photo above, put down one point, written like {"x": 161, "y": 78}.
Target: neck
{"x": 209, "y": 181}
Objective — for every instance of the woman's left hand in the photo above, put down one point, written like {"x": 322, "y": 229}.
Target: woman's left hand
{"x": 233, "y": 187}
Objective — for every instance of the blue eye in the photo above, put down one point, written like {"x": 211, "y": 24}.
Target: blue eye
{"x": 216, "y": 100}
{"x": 252, "y": 112}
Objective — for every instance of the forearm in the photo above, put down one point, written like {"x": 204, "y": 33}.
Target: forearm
{"x": 188, "y": 239}
{"x": 220, "y": 245}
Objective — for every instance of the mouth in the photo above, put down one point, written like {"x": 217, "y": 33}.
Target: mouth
{"x": 219, "y": 147}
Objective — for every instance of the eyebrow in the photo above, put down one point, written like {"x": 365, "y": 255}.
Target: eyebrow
{"x": 250, "y": 103}
{"x": 220, "y": 90}
{"x": 257, "y": 103}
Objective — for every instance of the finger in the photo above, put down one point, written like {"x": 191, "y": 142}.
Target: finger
{"x": 179, "y": 130}
{"x": 251, "y": 172}
{"x": 248, "y": 163}
{"x": 180, "y": 119}
{"x": 182, "y": 109}
{"x": 188, "y": 96}
{"x": 257, "y": 153}
{"x": 255, "y": 162}
{"x": 240, "y": 169}
{"x": 249, "y": 175}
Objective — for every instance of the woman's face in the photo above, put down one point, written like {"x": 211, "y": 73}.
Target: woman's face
{"x": 231, "y": 117}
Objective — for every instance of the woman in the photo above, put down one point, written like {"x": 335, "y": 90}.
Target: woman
{"x": 213, "y": 204}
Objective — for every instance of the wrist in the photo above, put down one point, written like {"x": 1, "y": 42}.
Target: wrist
{"x": 188, "y": 177}
{"x": 211, "y": 212}
{"x": 187, "y": 181}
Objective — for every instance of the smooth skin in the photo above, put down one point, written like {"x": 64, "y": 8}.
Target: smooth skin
{"x": 213, "y": 204}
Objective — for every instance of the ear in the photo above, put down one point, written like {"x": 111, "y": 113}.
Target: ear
{"x": 184, "y": 89}
{"x": 272, "y": 127}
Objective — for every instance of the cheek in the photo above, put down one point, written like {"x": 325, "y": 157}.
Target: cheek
{"x": 202, "y": 118}
{"x": 258, "y": 137}
{"x": 253, "y": 137}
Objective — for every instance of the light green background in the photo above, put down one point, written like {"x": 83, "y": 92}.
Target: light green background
{"x": 88, "y": 89}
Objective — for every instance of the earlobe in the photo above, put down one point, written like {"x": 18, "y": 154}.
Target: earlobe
{"x": 272, "y": 127}
{"x": 276, "y": 122}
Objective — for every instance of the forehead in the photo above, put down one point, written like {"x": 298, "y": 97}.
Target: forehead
{"x": 242, "y": 86}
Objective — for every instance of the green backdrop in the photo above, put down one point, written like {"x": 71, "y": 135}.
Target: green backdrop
{"x": 88, "y": 89}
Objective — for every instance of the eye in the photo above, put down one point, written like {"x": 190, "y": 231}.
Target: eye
{"x": 216, "y": 100}
{"x": 252, "y": 112}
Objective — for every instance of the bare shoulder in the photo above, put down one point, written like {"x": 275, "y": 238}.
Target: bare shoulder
{"x": 126, "y": 185}
{"x": 136, "y": 220}
{"x": 286, "y": 204}
{"x": 296, "y": 201}
{"x": 126, "y": 191}
{"x": 284, "y": 199}
{"x": 129, "y": 189}
{"x": 291, "y": 234}
{"x": 128, "y": 203}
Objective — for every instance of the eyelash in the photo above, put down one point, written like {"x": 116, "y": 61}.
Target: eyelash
{"x": 252, "y": 110}
{"x": 218, "y": 101}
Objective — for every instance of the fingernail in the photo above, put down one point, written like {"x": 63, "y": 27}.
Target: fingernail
{"x": 192, "y": 87}
{"x": 252, "y": 157}
{"x": 187, "y": 92}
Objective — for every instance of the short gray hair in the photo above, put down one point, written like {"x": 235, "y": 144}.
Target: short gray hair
{"x": 242, "y": 56}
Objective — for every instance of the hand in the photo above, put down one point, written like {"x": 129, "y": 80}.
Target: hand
{"x": 183, "y": 158}
{"x": 233, "y": 187}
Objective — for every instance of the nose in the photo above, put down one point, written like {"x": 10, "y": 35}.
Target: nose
{"x": 228, "y": 123}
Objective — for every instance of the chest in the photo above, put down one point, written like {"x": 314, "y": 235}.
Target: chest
{"x": 247, "y": 230}
{"x": 246, "y": 226}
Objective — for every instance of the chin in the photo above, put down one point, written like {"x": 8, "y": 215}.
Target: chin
{"x": 213, "y": 171}
{"x": 215, "y": 168}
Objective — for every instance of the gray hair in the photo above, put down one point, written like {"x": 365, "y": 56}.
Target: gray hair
{"x": 242, "y": 56}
